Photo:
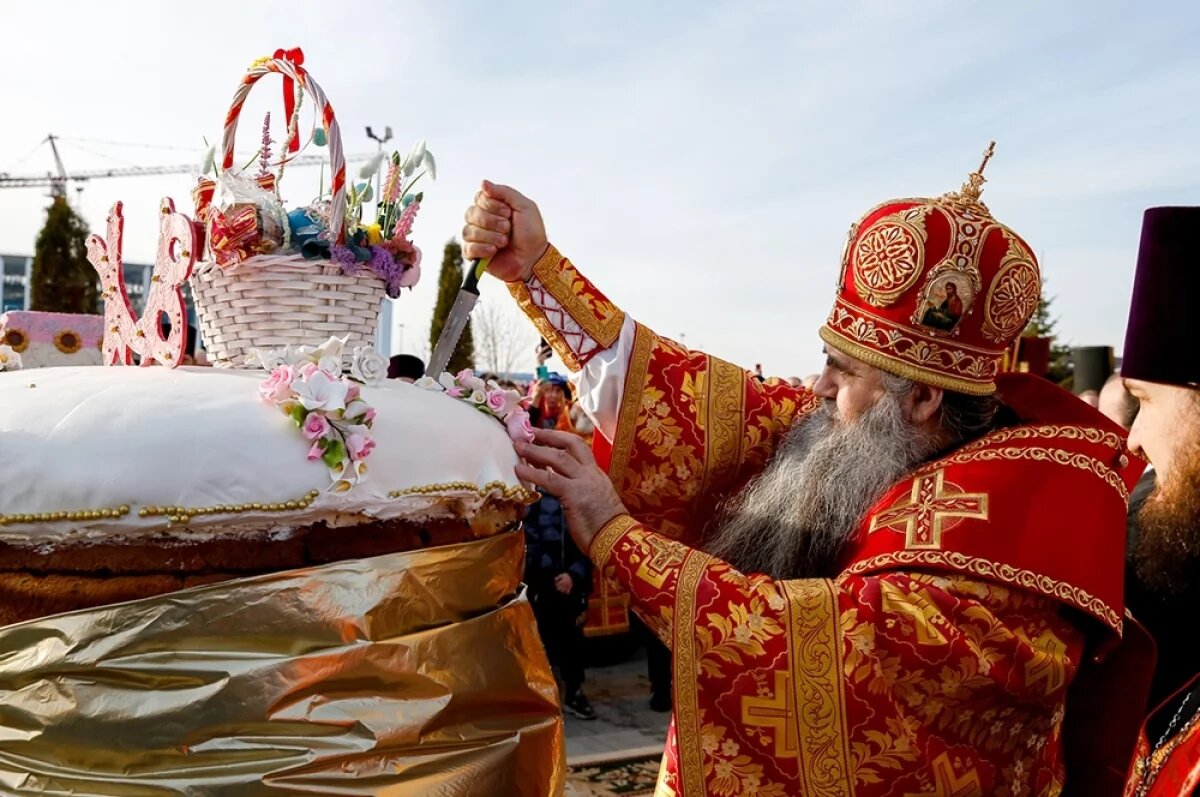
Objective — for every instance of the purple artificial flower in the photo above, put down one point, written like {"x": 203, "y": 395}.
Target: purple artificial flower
{"x": 264, "y": 154}
{"x": 387, "y": 269}
{"x": 344, "y": 257}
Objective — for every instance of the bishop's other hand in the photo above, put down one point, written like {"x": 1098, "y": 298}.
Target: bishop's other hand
{"x": 562, "y": 464}
{"x": 506, "y": 226}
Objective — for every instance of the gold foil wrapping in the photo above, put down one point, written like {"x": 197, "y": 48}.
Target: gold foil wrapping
{"x": 418, "y": 673}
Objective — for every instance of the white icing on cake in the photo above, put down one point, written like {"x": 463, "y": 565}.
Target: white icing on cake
{"x": 97, "y": 438}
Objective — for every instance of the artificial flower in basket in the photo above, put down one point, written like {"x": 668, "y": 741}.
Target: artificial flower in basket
{"x": 275, "y": 277}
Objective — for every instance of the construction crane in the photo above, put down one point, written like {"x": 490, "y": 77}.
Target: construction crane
{"x": 58, "y": 182}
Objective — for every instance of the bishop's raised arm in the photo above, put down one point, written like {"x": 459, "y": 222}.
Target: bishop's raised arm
{"x": 681, "y": 430}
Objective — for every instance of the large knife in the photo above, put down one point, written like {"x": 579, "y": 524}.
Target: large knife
{"x": 456, "y": 322}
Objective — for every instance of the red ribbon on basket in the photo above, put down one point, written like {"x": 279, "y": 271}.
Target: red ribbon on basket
{"x": 296, "y": 57}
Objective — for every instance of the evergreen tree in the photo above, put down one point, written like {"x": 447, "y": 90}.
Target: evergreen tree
{"x": 63, "y": 279}
{"x": 449, "y": 281}
{"x": 1041, "y": 325}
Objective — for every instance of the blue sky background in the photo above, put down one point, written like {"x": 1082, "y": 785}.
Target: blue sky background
{"x": 700, "y": 161}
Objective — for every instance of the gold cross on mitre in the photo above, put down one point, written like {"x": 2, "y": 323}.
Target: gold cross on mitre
{"x": 972, "y": 189}
{"x": 922, "y": 513}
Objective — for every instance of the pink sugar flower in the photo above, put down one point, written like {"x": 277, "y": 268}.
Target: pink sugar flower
{"x": 519, "y": 428}
{"x": 497, "y": 402}
{"x": 315, "y": 426}
{"x": 315, "y": 452}
{"x": 359, "y": 446}
{"x": 278, "y": 386}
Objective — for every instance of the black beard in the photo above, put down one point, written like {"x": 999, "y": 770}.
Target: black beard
{"x": 1166, "y": 555}
{"x": 794, "y": 519}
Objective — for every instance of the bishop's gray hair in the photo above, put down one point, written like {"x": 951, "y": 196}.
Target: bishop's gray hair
{"x": 963, "y": 418}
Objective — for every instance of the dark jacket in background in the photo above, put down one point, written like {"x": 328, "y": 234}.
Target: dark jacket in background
{"x": 549, "y": 551}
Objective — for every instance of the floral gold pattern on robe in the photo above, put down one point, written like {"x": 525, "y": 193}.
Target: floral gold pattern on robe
{"x": 1173, "y": 769}
{"x": 898, "y": 683}
{"x": 938, "y": 663}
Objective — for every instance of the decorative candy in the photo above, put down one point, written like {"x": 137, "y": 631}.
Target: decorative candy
{"x": 202, "y": 193}
{"x": 234, "y": 237}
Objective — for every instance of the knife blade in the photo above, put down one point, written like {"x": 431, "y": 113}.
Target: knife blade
{"x": 456, "y": 321}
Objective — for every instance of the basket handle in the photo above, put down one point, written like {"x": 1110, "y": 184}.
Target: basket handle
{"x": 337, "y": 157}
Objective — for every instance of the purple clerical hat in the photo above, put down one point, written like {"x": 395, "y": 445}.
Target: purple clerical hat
{"x": 1159, "y": 340}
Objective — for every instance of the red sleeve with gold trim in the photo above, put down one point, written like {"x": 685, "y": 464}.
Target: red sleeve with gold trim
{"x": 692, "y": 428}
{"x": 900, "y": 683}
{"x": 571, "y": 313}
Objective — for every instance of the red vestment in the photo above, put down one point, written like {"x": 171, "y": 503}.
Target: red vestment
{"x": 937, "y": 663}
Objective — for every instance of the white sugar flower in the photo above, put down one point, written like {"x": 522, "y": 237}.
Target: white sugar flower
{"x": 428, "y": 383}
{"x": 319, "y": 392}
{"x": 328, "y": 356}
{"x": 369, "y": 366}
{"x": 268, "y": 359}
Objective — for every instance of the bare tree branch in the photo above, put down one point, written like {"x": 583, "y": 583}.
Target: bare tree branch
{"x": 503, "y": 339}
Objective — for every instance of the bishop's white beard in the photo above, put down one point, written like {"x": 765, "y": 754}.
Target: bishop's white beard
{"x": 795, "y": 518}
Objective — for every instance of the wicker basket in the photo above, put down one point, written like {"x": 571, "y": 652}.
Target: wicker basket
{"x": 269, "y": 301}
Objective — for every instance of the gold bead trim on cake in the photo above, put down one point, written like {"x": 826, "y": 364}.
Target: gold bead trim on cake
{"x": 182, "y": 514}
{"x": 57, "y": 517}
{"x": 517, "y": 492}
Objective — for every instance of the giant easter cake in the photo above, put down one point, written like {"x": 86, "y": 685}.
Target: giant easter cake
{"x": 121, "y": 483}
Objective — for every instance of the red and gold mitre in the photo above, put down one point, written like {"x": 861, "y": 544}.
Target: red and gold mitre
{"x": 934, "y": 290}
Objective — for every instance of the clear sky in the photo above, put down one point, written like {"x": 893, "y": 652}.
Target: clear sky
{"x": 701, "y": 161}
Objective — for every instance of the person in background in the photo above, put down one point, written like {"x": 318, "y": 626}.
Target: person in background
{"x": 1120, "y": 407}
{"x": 551, "y": 404}
{"x": 1117, "y": 403}
{"x": 1163, "y": 585}
{"x": 558, "y": 574}
{"x": 405, "y": 367}
{"x": 1090, "y": 398}
{"x": 583, "y": 425}
{"x": 810, "y": 381}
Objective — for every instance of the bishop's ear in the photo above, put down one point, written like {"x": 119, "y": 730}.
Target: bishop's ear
{"x": 923, "y": 403}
